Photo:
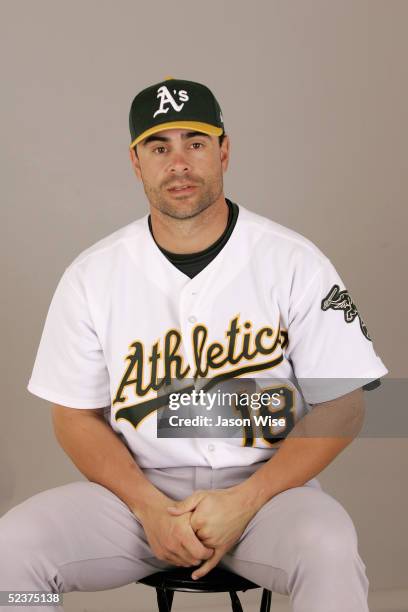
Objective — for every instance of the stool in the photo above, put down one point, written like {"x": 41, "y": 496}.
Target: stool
{"x": 215, "y": 581}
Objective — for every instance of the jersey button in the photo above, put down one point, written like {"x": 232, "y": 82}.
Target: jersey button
{"x": 192, "y": 319}
{"x": 211, "y": 447}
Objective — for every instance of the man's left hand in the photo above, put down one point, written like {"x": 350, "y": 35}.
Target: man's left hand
{"x": 219, "y": 519}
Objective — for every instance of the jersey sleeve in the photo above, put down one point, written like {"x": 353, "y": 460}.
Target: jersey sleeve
{"x": 69, "y": 367}
{"x": 329, "y": 346}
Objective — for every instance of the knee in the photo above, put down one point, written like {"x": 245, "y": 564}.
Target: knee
{"x": 26, "y": 557}
{"x": 14, "y": 555}
{"x": 24, "y": 532}
{"x": 15, "y": 560}
{"x": 330, "y": 533}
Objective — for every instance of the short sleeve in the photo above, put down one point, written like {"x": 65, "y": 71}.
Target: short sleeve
{"x": 69, "y": 367}
{"x": 329, "y": 346}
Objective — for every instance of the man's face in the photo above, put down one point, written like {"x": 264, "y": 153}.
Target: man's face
{"x": 181, "y": 157}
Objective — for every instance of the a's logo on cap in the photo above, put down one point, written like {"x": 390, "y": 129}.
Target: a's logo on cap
{"x": 166, "y": 98}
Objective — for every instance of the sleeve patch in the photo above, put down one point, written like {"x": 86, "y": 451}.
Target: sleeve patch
{"x": 341, "y": 300}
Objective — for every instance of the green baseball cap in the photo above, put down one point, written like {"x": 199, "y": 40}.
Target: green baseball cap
{"x": 174, "y": 103}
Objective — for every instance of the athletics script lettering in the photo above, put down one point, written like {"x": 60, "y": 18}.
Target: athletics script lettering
{"x": 245, "y": 349}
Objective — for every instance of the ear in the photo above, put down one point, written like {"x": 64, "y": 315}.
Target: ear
{"x": 225, "y": 152}
{"x": 135, "y": 163}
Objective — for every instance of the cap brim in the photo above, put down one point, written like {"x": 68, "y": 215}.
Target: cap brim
{"x": 207, "y": 128}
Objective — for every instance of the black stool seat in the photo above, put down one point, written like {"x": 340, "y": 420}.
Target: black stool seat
{"x": 215, "y": 581}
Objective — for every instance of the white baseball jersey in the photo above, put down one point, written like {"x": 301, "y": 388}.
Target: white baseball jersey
{"x": 124, "y": 322}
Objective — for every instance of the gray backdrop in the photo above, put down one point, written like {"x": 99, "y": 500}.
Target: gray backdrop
{"x": 314, "y": 97}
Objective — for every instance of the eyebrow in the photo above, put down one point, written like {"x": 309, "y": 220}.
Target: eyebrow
{"x": 154, "y": 137}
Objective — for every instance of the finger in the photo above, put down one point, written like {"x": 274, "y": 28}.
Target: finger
{"x": 203, "y": 533}
{"x": 186, "y": 505}
{"x": 197, "y": 548}
{"x": 193, "y": 559}
{"x": 178, "y": 560}
{"x": 177, "y": 511}
{"x": 182, "y": 557}
{"x": 209, "y": 542}
{"x": 208, "y": 565}
{"x": 188, "y": 559}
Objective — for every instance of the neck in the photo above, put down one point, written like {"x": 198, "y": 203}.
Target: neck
{"x": 190, "y": 235}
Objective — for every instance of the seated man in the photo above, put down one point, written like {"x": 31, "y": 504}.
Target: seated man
{"x": 198, "y": 292}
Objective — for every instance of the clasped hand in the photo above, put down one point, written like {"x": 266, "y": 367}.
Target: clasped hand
{"x": 218, "y": 517}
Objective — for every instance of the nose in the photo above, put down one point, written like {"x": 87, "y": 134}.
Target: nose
{"x": 178, "y": 162}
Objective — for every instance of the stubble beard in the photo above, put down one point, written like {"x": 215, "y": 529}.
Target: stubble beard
{"x": 188, "y": 206}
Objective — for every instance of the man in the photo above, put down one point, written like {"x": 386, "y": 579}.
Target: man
{"x": 197, "y": 295}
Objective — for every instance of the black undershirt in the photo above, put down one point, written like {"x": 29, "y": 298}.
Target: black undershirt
{"x": 192, "y": 263}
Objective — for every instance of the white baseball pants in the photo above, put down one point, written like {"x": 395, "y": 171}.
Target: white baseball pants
{"x": 82, "y": 537}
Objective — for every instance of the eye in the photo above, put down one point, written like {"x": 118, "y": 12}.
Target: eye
{"x": 201, "y": 144}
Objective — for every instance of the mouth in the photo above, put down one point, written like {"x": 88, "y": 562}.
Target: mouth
{"x": 182, "y": 190}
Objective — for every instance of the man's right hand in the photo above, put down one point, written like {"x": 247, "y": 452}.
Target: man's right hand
{"x": 172, "y": 538}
